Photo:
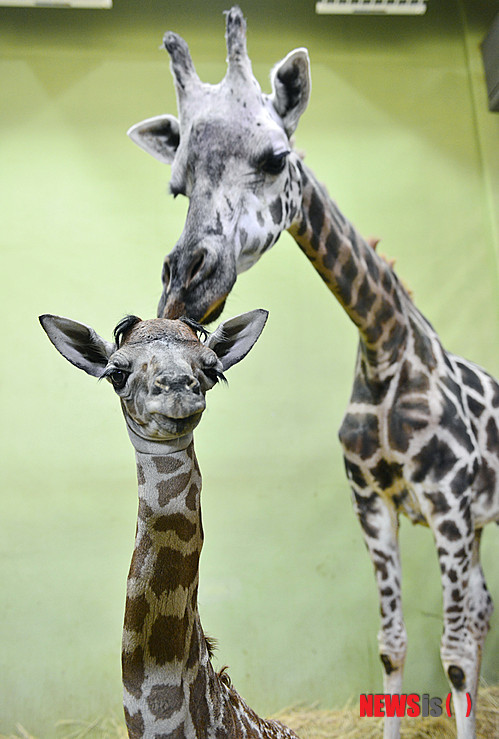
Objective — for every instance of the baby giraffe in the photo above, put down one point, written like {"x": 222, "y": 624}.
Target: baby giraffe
{"x": 161, "y": 370}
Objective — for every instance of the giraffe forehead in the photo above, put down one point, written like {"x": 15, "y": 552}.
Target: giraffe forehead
{"x": 234, "y": 125}
{"x": 160, "y": 329}
{"x": 234, "y": 95}
{"x": 159, "y": 342}
{"x": 214, "y": 136}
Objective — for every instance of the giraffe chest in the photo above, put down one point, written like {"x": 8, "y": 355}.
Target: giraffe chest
{"x": 372, "y": 464}
{"x": 384, "y": 429}
{"x": 410, "y": 440}
{"x": 383, "y": 419}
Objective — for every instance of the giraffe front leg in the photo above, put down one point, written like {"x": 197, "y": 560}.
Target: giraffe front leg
{"x": 379, "y": 523}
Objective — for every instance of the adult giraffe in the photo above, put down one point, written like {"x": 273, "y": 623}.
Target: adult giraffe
{"x": 420, "y": 435}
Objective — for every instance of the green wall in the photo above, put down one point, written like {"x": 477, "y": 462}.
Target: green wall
{"x": 399, "y": 130}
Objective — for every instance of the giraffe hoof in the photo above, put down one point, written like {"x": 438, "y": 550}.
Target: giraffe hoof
{"x": 456, "y": 676}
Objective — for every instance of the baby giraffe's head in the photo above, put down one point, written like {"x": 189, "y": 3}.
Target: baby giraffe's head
{"x": 161, "y": 369}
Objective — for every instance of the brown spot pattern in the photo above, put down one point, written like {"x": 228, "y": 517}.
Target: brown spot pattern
{"x": 167, "y": 465}
{"x": 133, "y": 671}
{"x": 229, "y": 721}
{"x": 173, "y": 569}
{"x": 136, "y": 610}
{"x": 145, "y": 510}
{"x": 165, "y": 700}
{"x": 139, "y": 556}
{"x": 177, "y": 523}
{"x": 167, "y": 639}
{"x": 140, "y": 475}
{"x": 135, "y": 724}
{"x": 359, "y": 433}
{"x": 192, "y": 496}
{"x": 193, "y": 658}
{"x": 198, "y": 705}
{"x": 172, "y": 487}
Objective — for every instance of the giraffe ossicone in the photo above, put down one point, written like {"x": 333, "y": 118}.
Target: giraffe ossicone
{"x": 421, "y": 432}
{"x": 161, "y": 370}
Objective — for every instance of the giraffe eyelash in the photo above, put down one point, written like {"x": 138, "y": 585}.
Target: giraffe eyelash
{"x": 271, "y": 163}
{"x": 215, "y": 375}
{"x": 117, "y": 375}
{"x": 176, "y": 190}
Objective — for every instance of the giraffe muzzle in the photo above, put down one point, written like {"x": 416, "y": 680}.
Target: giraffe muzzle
{"x": 175, "y": 402}
{"x": 196, "y": 280}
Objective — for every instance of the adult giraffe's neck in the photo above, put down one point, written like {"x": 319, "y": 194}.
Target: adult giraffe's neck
{"x": 163, "y": 646}
{"x": 364, "y": 283}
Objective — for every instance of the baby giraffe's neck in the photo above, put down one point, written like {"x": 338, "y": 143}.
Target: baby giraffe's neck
{"x": 169, "y": 684}
{"x": 163, "y": 645}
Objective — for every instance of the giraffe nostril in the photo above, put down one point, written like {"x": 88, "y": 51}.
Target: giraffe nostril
{"x": 161, "y": 385}
{"x": 196, "y": 266}
{"x": 166, "y": 273}
{"x": 165, "y": 384}
{"x": 194, "y": 386}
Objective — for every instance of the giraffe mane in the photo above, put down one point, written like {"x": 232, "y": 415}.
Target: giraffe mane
{"x": 211, "y": 645}
{"x": 223, "y": 675}
{"x": 373, "y": 243}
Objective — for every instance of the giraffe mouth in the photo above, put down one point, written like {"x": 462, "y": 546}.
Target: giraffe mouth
{"x": 168, "y": 427}
{"x": 214, "y": 310}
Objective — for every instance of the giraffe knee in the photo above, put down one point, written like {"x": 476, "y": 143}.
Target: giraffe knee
{"x": 456, "y": 676}
{"x": 392, "y": 648}
{"x": 393, "y": 659}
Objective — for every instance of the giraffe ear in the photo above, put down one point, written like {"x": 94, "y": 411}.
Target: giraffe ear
{"x": 291, "y": 86}
{"x": 78, "y": 343}
{"x": 234, "y": 338}
{"x": 159, "y": 136}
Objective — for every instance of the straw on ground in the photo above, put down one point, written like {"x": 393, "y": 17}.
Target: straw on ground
{"x": 310, "y": 723}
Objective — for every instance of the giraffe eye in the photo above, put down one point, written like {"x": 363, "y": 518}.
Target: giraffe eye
{"x": 274, "y": 163}
{"x": 118, "y": 378}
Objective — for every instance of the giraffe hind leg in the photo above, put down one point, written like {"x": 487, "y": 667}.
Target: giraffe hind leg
{"x": 479, "y": 606}
{"x": 467, "y": 610}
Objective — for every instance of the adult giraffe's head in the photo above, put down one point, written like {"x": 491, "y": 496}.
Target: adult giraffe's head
{"x": 231, "y": 155}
